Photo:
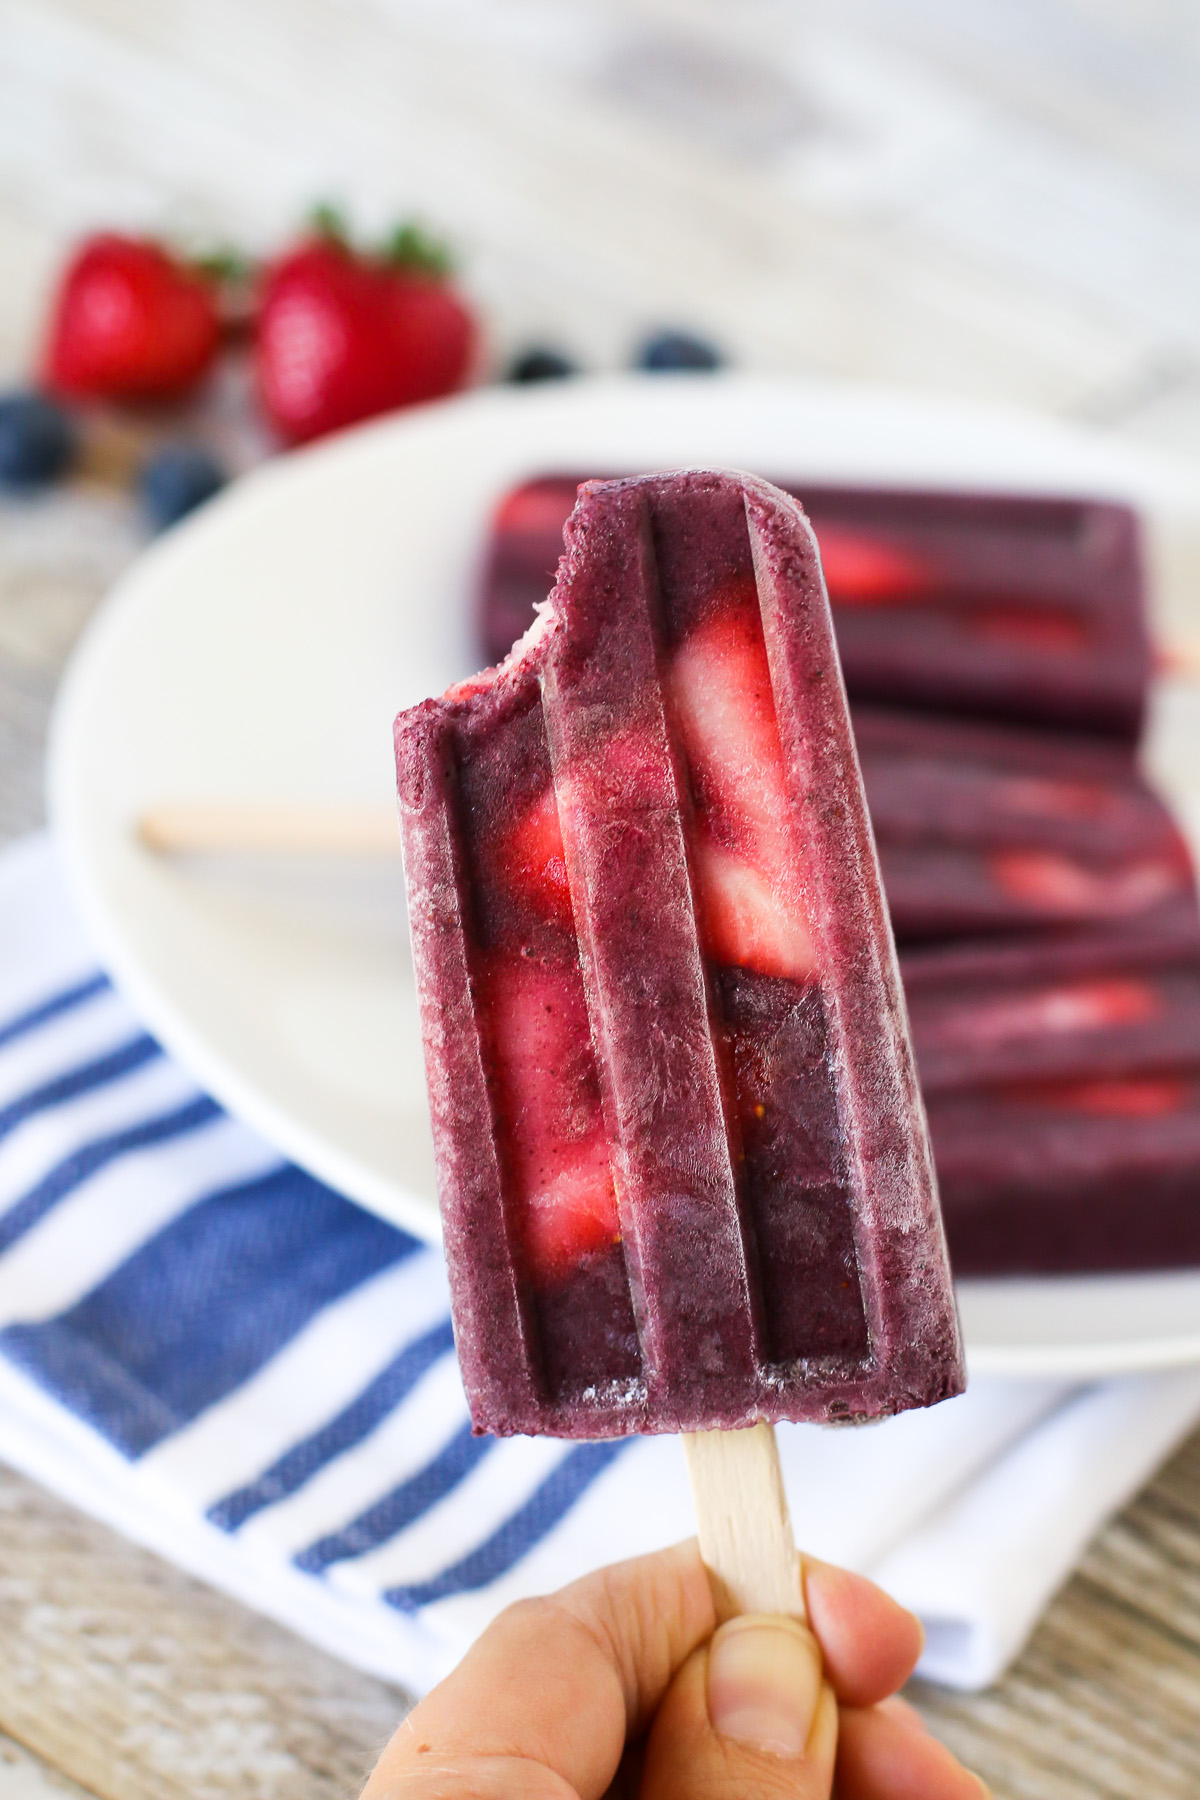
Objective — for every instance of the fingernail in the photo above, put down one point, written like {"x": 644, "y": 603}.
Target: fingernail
{"x": 764, "y": 1680}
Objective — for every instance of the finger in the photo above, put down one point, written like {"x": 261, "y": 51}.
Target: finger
{"x": 885, "y": 1753}
{"x": 748, "y": 1714}
{"x": 554, "y": 1687}
{"x": 871, "y": 1644}
{"x": 896, "y": 1708}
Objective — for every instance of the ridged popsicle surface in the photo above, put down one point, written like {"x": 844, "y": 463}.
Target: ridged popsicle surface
{"x": 689, "y": 1183}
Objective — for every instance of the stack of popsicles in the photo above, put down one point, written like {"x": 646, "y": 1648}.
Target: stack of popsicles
{"x": 997, "y": 659}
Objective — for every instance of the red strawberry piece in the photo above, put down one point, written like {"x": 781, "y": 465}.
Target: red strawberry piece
{"x": 747, "y": 866}
{"x": 534, "y": 860}
{"x": 1120, "y": 1097}
{"x": 861, "y": 570}
{"x": 342, "y": 337}
{"x": 1042, "y": 628}
{"x": 1040, "y": 797}
{"x": 130, "y": 322}
{"x": 1061, "y": 887}
{"x": 556, "y": 1141}
{"x": 1080, "y": 1006}
{"x": 743, "y": 923}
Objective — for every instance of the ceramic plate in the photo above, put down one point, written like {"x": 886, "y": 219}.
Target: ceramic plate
{"x": 259, "y": 652}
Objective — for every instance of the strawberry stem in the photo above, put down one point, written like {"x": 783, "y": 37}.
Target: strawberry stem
{"x": 327, "y": 220}
{"x": 224, "y": 264}
{"x": 411, "y": 247}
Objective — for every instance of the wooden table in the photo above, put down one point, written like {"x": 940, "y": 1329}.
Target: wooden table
{"x": 991, "y": 199}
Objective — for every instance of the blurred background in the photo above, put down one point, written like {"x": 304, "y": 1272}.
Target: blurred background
{"x": 995, "y": 198}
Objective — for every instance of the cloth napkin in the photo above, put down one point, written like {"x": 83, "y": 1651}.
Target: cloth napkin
{"x": 232, "y": 1364}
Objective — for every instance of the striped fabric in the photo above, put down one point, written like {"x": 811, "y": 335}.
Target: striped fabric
{"x": 229, "y": 1361}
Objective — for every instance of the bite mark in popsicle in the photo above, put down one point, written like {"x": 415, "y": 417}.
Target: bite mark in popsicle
{"x": 682, "y": 1166}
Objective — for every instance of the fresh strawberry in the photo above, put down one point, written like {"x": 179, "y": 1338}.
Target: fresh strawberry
{"x": 342, "y": 336}
{"x": 130, "y": 322}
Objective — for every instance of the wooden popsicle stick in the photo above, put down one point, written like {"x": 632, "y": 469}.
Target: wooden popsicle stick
{"x": 202, "y": 827}
{"x": 745, "y": 1531}
{"x": 1178, "y": 658}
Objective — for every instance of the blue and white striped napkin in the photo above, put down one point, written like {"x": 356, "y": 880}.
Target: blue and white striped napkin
{"x": 234, "y": 1365}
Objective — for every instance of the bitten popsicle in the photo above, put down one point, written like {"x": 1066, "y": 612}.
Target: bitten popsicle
{"x": 683, "y": 1169}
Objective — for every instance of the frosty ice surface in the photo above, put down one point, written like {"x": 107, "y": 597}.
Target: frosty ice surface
{"x": 682, "y": 1163}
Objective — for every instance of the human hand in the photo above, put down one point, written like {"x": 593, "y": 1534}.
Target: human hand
{"x": 612, "y": 1687}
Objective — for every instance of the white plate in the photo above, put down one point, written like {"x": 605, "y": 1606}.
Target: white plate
{"x": 259, "y": 653}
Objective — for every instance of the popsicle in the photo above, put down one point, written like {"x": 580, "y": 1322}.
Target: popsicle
{"x": 1018, "y": 607}
{"x": 1072, "y": 1177}
{"x": 1015, "y": 607}
{"x": 990, "y": 828}
{"x": 682, "y": 1164}
{"x": 1077, "y": 1007}
{"x": 1062, "y": 1081}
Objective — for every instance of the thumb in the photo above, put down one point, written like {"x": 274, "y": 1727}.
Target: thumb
{"x": 747, "y": 1713}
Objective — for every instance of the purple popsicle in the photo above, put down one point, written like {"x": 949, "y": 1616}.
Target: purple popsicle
{"x": 1084, "y": 1006}
{"x": 1072, "y": 1177}
{"x": 1015, "y": 607}
{"x": 990, "y": 828}
{"x": 683, "y": 1170}
{"x": 1062, "y": 1081}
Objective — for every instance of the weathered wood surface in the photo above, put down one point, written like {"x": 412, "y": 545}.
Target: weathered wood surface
{"x": 24, "y": 1776}
{"x": 995, "y": 199}
{"x": 144, "y": 1685}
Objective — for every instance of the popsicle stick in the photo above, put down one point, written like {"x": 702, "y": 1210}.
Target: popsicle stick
{"x": 193, "y": 828}
{"x": 743, "y": 1525}
{"x": 1180, "y": 658}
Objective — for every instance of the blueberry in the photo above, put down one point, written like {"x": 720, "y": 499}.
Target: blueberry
{"x": 541, "y": 363}
{"x": 37, "y": 440}
{"x": 177, "y": 479}
{"x": 677, "y": 350}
